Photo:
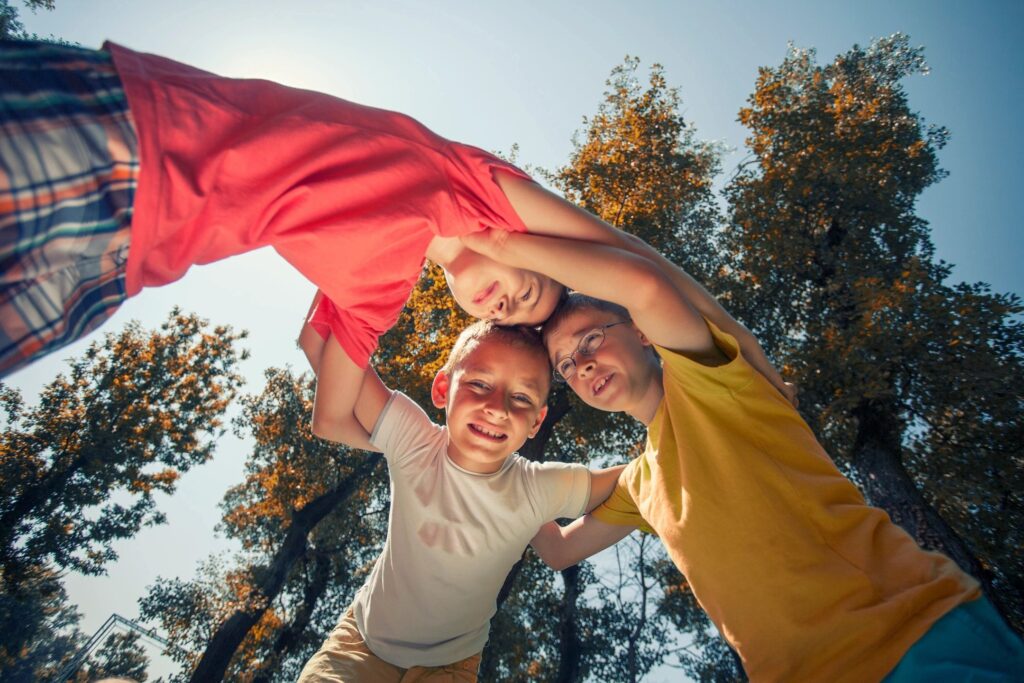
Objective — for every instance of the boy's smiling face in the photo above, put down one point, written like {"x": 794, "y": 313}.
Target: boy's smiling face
{"x": 617, "y": 376}
{"x": 495, "y": 400}
{"x": 489, "y": 290}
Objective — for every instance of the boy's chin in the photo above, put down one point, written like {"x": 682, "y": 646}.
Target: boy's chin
{"x": 603, "y": 406}
{"x": 485, "y": 457}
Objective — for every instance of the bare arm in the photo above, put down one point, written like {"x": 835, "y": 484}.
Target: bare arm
{"x": 311, "y": 343}
{"x": 563, "y": 546}
{"x": 545, "y": 213}
{"x": 709, "y": 307}
{"x": 658, "y": 308}
{"x": 348, "y": 398}
{"x": 602, "y": 483}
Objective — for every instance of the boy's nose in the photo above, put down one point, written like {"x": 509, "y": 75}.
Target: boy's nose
{"x": 499, "y": 311}
{"x": 496, "y": 406}
{"x": 585, "y": 367}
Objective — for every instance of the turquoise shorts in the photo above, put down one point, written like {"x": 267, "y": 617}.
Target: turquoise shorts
{"x": 971, "y": 644}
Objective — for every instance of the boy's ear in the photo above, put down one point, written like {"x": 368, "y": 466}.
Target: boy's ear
{"x": 439, "y": 389}
{"x": 643, "y": 337}
{"x": 540, "y": 420}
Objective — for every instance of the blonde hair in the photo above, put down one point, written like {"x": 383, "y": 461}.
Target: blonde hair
{"x": 514, "y": 336}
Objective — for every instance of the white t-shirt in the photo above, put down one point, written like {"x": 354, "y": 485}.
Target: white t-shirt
{"x": 453, "y": 537}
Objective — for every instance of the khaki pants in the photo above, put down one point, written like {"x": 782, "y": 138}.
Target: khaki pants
{"x": 344, "y": 658}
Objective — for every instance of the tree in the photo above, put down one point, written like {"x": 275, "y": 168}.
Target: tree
{"x": 80, "y": 470}
{"x": 134, "y": 413}
{"x": 46, "y": 637}
{"x": 119, "y": 656}
{"x": 629, "y": 596}
{"x": 37, "y": 627}
{"x": 837, "y": 275}
{"x": 11, "y": 27}
{"x": 301, "y": 518}
{"x": 640, "y": 167}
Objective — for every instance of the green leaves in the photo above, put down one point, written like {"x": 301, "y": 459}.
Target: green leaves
{"x": 836, "y": 274}
{"x": 79, "y": 470}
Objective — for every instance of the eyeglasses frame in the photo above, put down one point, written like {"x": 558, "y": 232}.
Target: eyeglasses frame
{"x": 559, "y": 377}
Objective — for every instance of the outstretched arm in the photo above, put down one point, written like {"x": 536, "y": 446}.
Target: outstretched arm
{"x": 658, "y": 308}
{"x": 563, "y": 546}
{"x": 545, "y": 213}
{"x": 348, "y": 398}
{"x": 602, "y": 483}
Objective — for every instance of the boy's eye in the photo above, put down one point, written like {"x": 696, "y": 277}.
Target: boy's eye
{"x": 523, "y": 398}
{"x": 564, "y": 366}
{"x": 477, "y": 384}
{"x": 590, "y": 342}
{"x": 526, "y": 296}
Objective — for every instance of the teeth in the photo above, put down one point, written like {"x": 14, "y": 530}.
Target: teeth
{"x": 493, "y": 435}
{"x": 601, "y": 384}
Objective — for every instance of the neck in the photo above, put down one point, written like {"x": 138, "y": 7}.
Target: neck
{"x": 647, "y": 406}
{"x": 444, "y": 250}
{"x": 470, "y": 464}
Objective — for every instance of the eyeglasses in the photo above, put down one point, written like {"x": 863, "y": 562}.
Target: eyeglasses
{"x": 589, "y": 344}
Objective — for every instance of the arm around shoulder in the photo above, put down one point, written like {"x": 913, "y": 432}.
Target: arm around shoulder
{"x": 602, "y": 483}
{"x": 564, "y": 546}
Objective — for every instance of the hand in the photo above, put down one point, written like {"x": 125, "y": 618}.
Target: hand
{"x": 489, "y": 242}
{"x": 790, "y": 391}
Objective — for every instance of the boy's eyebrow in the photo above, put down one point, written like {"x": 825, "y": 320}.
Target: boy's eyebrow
{"x": 531, "y": 383}
{"x": 528, "y": 382}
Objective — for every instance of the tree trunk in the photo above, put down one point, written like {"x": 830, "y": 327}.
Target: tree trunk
{"x": 232, "y": 632}
{"x": 570, "y": 650}
{"x": 558, "y": 407}
{"x": 878, "y": 457}
{"x": 291, "y": 635}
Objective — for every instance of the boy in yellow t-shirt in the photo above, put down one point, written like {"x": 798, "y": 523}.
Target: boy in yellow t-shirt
{"x": 804, "y": 579}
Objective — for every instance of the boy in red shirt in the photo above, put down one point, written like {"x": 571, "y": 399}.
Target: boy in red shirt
{"x": 120, "y": 170}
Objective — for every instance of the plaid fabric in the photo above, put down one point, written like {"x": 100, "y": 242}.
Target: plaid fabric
{"x": 68, "y": 172}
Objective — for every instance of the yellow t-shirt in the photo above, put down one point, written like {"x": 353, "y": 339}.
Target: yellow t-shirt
{"x": 801, "y": 576}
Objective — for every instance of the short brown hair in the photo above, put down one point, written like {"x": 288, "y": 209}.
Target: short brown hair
{"x": 575, "y": 302}
{"x": 515, "y": 336}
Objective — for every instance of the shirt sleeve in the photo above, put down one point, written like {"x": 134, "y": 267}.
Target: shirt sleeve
{"x": 620, "y": 507}
{"x": 733, "y": 375}
{"x": 472, "y": 173}
{"x": 356, "y": 337}
{"x": 403, "y": 430}
{"x": 561, "y": 489}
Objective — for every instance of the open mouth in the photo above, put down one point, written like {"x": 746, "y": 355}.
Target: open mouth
{"x": 481, "y": 431}
{"x": 600, "y": 385}
{"x": 485, "y": 294}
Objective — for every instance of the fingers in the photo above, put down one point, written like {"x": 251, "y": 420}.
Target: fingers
{"x": 488, "y": 242}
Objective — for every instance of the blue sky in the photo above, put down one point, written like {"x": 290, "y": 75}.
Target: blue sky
{"x": 497, "y": 74}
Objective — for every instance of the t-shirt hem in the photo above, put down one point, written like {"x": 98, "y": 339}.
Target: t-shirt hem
{"x": 603, "y": 514}
{"x": 143, "y": 209}
{"x": 404, "y": 663}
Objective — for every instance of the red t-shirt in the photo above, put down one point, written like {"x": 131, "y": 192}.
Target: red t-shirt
{"x": 348, "y": 194}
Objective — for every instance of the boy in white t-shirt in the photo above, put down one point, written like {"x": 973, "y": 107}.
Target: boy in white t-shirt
{"x": 464, "y": 505}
